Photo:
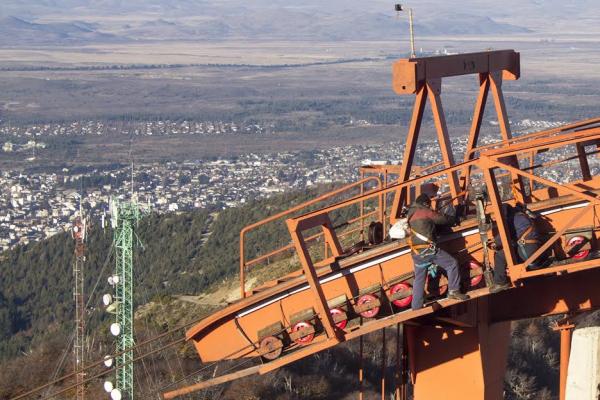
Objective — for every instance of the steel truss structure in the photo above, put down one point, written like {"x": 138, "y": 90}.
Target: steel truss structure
{"x": 347, "y": 286}
{"x": 125, "y": 216}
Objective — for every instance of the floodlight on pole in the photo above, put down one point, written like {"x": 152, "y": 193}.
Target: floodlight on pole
{"x": 399, "y": 8}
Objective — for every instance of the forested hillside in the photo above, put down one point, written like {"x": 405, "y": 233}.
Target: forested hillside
{"x": 185, "y": 254}
{"x": 178, "y": 254}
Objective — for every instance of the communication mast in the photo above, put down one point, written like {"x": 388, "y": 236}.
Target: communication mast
{"x": 399, "y": 8}
{"x": 124, "y": 218}
{"x": 79, "y": 233}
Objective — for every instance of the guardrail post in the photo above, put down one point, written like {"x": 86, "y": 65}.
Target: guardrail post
{"x": 296, "y": 227}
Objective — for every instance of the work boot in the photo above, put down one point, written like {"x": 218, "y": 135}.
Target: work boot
{"x": 498, "y": 287}
{"x": 457, "y": 295}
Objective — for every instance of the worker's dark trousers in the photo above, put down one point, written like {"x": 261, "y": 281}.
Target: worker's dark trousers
{"x": 523, "y": 253}
{"x": 442, "y": 259}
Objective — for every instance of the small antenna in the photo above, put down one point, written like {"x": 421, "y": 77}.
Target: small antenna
{"x": 132, "y": 177}
{"x": 399, "y": 8}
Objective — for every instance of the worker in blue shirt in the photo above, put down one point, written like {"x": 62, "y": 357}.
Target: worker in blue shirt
{"x": 523, "y": 237}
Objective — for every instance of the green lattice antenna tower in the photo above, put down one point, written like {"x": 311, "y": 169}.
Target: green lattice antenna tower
{"x": 124, "y": 216}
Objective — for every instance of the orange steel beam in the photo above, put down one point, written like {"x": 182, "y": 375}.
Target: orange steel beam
{"x": 537, "y": 135}
{"x": 296, "y": 226}
{"x": 409, "y": 149}
{"x": 430, "y": 91}
{"x": 488, "y": 164}
{"x": 565, "y": 328}
{"x": 553, "y": 239}
{"x": 442, "y": 355}
{"x": 389, "y": 189}
{"x": 485, "y": 161}
{"x": 423, "y": 77}
{"x": 545, "y": 144}
{"x": 496, "y": 86}
{"x": 549, "y": 295}
{"x": 203, "y": 385}
{"x": 583, "y": 162}
{"x": 458, "y": 362}
{"x": 410, "y": 75}
{"x": 435, "y": 88}
{"x": 517, "y": 271}
{"x": 565, "y": 353}
{"x": 484, "y": 88}
{"x": 574, "y": 292}
{"x": 496, "y": 201}
{"x": 558, "y": 161}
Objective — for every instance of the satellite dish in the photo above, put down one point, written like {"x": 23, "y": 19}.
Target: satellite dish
{"x": 108, "y": 361}
{"x": 115, "y": 394}
{"x": 115, "y": 279}
{"x": 108, "y": 386}
{"x": 107, "y": 299}
{"x": 115, "y": 329}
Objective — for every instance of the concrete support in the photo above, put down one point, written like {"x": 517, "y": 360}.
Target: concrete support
{"x": 583, "y": 380}
{"x": 455, "y": 364}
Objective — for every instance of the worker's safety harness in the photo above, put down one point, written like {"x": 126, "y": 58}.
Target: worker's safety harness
{"x": 426, "y": 249}
{"x": 523, "y": 238}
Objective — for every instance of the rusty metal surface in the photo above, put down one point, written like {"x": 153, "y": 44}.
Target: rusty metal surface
{"x": 409, "y": 75}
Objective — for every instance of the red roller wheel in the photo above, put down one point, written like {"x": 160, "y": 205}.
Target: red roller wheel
{"x": 304, "y": 339}
{"x": 271, "y": 347}
{"x": 576, "y": 241}
{"x": 365, "y": 299}
{"x": 404, "y": 302}
{"x": 475, "y": 280}
{"x": 443, "y": 289}
{"x": 335, "y": 312}
{"x": 434, "y": 288}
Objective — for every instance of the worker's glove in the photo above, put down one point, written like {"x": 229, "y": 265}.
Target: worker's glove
{"x": 530, "y": 213}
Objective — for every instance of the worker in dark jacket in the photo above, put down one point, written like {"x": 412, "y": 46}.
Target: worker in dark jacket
{"x": 523, "y": 237}
{"x": 425, "y": 252}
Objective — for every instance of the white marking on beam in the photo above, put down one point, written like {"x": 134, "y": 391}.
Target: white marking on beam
{"x": 571, "y": 207}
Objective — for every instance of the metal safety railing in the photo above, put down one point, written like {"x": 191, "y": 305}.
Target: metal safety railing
{"x": 247, "y": 263}
{"x": 543, "y": 141}
{"x": 489, "y": 164}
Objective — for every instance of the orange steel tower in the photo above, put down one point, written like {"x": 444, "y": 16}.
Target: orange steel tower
{"x": 352, "y": 279}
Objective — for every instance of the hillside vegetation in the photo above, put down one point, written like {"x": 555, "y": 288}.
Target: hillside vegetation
{"x": 180, "y": 257}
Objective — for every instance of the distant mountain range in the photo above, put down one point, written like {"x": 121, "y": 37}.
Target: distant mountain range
{"x": 17, "y": 31}
{"x": 76, "y": 21}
